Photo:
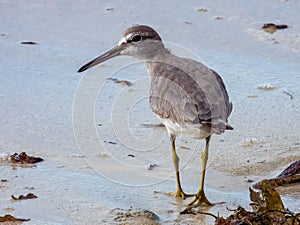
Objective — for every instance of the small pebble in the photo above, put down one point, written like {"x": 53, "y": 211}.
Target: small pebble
{"x": 252, "y": 96}
{"x": 109, "y": 8}
{"x": 249, "y": 142}
{"x": 266, "y": 87}
{"x": 5, "y": 156}
{"x": 218, "y": 18}
{"x": 188, "y": 22}
{"x": 249, "y": 181}
{"x": 103, "y": 155}
{"x": 269, "y": 28}
{"x": 202, "y": 10}
{"x": 151, "y": 166}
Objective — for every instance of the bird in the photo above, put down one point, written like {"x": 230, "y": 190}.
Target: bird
{"x": 187, "y": 96}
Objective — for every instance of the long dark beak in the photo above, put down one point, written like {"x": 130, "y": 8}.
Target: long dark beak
{"x": 107, "y": 55}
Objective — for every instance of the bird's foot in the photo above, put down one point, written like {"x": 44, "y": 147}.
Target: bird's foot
{"x": 199, "y": 199}
{"x": 179, "y": 194}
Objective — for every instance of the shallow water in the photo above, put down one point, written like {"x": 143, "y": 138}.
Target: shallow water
{"x": 84, "y": 126}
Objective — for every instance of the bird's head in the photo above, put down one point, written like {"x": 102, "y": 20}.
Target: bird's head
{"x": 140, "y": 41}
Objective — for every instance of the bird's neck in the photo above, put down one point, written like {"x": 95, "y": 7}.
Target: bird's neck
{"x": 152, "y": 51}
{"x": 156, "y": 62}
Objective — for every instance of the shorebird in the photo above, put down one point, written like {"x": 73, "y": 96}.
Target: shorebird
{"x": 187, "y": 96}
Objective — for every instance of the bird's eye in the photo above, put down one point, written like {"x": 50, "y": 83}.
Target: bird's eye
{"x": 136, "y": 38}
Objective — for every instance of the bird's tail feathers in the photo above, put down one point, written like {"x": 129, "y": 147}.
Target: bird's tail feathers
{"x": 216, "y": 126}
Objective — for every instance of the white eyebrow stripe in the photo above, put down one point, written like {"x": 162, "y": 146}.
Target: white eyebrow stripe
{"x": 128, "y": 36}
{"x": 123, "y": 40}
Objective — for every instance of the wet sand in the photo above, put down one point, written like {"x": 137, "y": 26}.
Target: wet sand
{"x": 89, "y": 129}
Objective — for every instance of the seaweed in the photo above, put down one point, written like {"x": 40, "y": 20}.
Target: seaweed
{"x": 271, "y": 27}
{"x": 23, "y": 158}
{"x": 291, "y": 175}
{"x": 22, "y": 197}
{"x": 267, "y": 209}
{"x": 28, "y": 43}
{"x": 10, "y": 218}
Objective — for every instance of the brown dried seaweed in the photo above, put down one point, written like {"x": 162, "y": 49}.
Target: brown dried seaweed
{"x": 290, "y": 175}
{"x": 28, "y": 43}
{"x": 10, "y": 218}
{"x": 267, "y": 209}
{"x": 123, "y": 82}
{"x": 22, "y": 197}
{"x": 271, "y": 27}
{"x": 23, "y": 158}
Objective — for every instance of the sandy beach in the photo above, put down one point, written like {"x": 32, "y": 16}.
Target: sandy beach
{"x": 98, "y": 137}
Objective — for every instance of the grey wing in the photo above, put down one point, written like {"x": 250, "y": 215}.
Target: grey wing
{"x": 196, "y": 96}
{"x": 220, "y": 106}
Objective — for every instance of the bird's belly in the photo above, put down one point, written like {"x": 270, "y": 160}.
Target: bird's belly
{"x": 188, "y": 130}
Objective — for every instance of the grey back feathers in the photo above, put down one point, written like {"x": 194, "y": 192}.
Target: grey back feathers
{"x": 189, "y": 93}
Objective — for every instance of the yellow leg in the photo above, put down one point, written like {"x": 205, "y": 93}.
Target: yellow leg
{"x": 179, "y": 192}
{"x": 200, "y": 196}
